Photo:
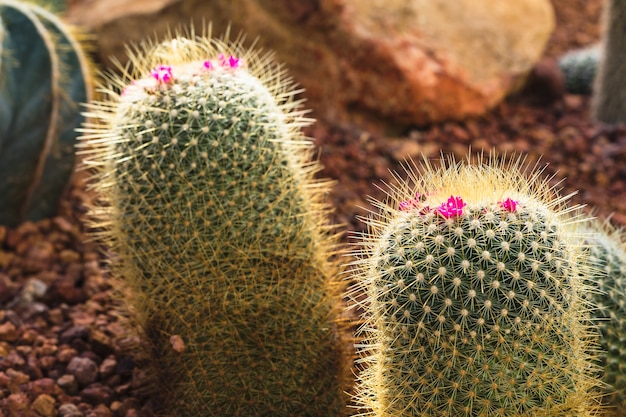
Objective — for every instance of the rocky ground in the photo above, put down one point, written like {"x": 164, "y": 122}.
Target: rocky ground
{"x": 63, "y": 349}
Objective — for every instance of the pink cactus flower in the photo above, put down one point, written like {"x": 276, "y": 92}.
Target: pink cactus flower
{"x": 509, "y": 205}
{"x": 163, "y": 74}
{"x": 234, "y": 62}
{"x": 410, "y": 203}
{"x": 208, "y": 65}
{"x": 451, "y": 208}
{"x": 230, "y": 62}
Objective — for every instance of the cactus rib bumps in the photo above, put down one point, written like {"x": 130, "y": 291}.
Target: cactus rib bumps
{"x": 473, "y": 300}
{"x": 608, "y": 256}
{"x": 210, "y": 204}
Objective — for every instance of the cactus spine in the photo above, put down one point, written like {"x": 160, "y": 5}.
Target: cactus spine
{"x": 473, "y": 303}
{"x": 608, "y": 256}
{"x": 211, "y": 204}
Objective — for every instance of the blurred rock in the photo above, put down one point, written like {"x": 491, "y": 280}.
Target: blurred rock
{"x": 68, "y": 383}
{"x": 8, "y": 332}
{"x": 44, "y": 406}
{"x": 374, "y": 63}
{"x": 69, "y": 410}
{"x": 85, "y": 370}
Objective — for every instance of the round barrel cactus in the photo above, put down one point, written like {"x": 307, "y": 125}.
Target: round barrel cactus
{"x": 474, "y": 300}
{"x": 210, "y": 203}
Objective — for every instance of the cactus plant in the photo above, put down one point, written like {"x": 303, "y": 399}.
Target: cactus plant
{"x": 608, "y": 255}
{"x": 211, "y": 205}
{"x": 579, "y": 69}
{"x": 44, "y": 74}
{"x": 608, "y": 102}
{"x": 473, "y": 300}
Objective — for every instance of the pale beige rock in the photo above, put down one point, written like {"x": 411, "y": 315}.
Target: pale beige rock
{"x": 375, "y": 63}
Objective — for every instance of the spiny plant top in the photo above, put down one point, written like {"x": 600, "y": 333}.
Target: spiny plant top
{"x": 230, "y": 123}
{"x": 473, "y": 301}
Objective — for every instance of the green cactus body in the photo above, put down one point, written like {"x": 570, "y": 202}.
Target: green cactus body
{"x": 44, "y": 75}
{"x": 220, "y": 229}
{"x": 608, "y": 256}
{"x": 473, "y": 301}
{"x": 579, "y": 69}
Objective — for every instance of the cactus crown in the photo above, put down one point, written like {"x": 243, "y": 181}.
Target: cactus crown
{"x": 474, "y": 297}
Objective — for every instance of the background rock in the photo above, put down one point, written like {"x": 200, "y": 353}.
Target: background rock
{"x": 375, "y": 63}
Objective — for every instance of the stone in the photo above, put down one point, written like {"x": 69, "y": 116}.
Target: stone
{"x": 97, "y": 394}
{"x": 44, "y": 406}
{"x": 8, "y": 332}
{"x": 68, "y": 383}
{"x": 107, "y": 367}
{"x": 375, "y": 63}
{"x": 70, "y": 410}
{"x": 84, "y": 370}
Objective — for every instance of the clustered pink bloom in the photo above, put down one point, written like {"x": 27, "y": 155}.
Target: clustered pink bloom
{"x": 451, "y": 208}
{"x": 410, "y": 204}
{"x": 509, "y": 205}
{"x": 163, "y": 74}
{"x": 231, "y": 62}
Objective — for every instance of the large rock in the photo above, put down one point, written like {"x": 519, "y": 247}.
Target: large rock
{"x": 376, "y": 63}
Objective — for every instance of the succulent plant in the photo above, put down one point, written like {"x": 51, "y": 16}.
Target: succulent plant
{"x": 579, "y": 69}
{"x": 608, "y": 103}
{"x": 44, "y": 75}
{"x": 608, "y": 256}
{"x": 473, "y": 306}
{"x": 210, "y": 203}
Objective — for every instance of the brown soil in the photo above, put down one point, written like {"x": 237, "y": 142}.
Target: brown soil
{"x": 62, "y": 346}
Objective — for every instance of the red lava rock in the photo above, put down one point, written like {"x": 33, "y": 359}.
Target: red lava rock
{"x": 17, "y": 378}
{"x": 8, "y": 289}
{"x": 8, "y": 332}
{"x": 17, "y": 404}
{"x": 75, "y": 332}
{"x": 100, "y": 410}
{"x": 44, "y": 386}
{"x": 44, "y": 406}
{"x": 38, "y": 257}
{"x": 97, "y": 394}
{"x": 13, "y": 359}
{"x": 5, "y": 380}
{"x": 68, "y": 383}
{"x": 66, "y": 354}
{"x": 107, "y": 367}
{"x": 85, "y": 370}
{"x": 69, "y": 256}
{"x": 69, "y": 410}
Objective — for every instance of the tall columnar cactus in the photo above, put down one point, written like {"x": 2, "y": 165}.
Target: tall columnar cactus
{"x": 608, "y": 102}
{"x": 211, "y": 206}
{"x": 608, "y": 256}
{"x": 473, "y": 300}
{"x": 44, "y": 75}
